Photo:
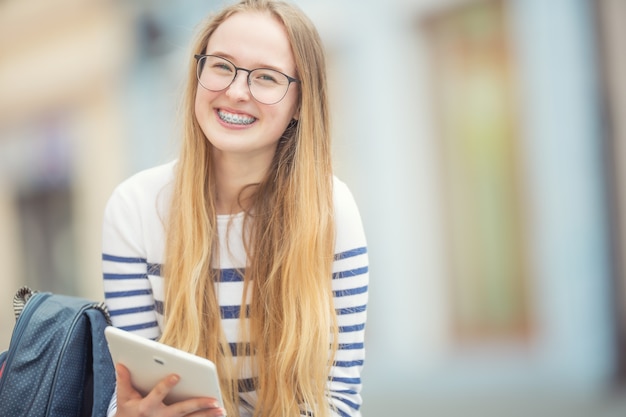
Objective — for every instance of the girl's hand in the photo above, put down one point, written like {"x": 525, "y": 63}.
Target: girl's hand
{"x": 131, "y": 403}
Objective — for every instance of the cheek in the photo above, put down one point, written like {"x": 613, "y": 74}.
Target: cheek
{"x": 198, "y": 104}
{"x": 200, "y": 101}
{"x": 201, "y": 110}
{"x": 293, "y": 105}
{"x": 204, "y": 96}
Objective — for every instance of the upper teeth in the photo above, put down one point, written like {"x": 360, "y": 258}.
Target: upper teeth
{"x": 238, "y": 119}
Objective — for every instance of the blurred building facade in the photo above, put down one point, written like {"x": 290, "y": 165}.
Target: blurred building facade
{"x": 61, "y": 141}
{"x": 475, "y": 135}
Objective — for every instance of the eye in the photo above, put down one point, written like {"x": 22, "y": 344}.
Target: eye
{"x": 222, "y": 67}
{"x": 268, "y": 77}
{"x": 265, "y": 76}
{"x": 219, "y": 65}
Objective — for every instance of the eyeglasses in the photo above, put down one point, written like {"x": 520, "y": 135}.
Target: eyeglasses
{"x": 266, "y": 85}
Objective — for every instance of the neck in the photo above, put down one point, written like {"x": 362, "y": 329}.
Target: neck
{"x": 233, "y": 175}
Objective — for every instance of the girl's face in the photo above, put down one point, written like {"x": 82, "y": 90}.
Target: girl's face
{"x": 231, "y": 119}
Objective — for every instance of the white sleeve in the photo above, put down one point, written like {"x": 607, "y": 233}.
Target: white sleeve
{"x": 127, "y": 290}
{"x": 350, "y": 290}
{"x": 113, "y": 404}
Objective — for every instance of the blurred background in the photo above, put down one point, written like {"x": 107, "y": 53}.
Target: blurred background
{"x": 482, "y": 140}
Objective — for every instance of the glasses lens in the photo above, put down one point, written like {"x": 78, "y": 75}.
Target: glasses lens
{"x": 268, "y": 86}
{"x": 215, "y": 73}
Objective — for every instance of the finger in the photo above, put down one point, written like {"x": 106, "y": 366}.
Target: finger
{"x": 125, "y": 390}
{"x": 160, "y": 390}
{"x": 197, "y": 407}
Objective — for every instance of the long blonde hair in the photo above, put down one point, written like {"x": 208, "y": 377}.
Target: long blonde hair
{"x": 292, "y": 323}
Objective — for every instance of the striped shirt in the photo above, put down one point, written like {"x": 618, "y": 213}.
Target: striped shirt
{"x": 132, "y": 256}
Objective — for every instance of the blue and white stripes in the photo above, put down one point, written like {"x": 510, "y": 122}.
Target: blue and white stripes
{"x": 132, "y": 256}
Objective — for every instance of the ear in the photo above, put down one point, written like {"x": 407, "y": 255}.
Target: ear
{"x": 296, "y": 115}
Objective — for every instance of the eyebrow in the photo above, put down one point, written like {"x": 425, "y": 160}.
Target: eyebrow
{"x": 257, "y": 65}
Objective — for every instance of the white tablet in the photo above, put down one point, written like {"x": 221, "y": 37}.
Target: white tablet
{"x": 149, "y": 362}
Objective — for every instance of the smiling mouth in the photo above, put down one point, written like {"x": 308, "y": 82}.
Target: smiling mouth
{"x": 235, "y": 119}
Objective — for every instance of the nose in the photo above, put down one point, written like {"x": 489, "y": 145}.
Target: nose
{"x": 239, "y": 90}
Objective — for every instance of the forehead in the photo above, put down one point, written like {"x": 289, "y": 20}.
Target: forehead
{"x": 253, "y": 39}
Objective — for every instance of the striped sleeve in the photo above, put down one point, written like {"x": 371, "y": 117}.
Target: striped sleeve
{"x": 127, "y": 290}
{"x": 350, "y": 293}
{"x": 132, "y": 234}
{"x": 350, "y": 286}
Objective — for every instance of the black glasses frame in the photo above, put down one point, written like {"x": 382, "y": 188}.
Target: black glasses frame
{"x": 198, "y": 57}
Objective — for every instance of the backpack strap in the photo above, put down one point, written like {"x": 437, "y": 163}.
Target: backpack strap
{"x": 103, "y": 368}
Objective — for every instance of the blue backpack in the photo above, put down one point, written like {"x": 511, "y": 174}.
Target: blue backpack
{"x": 58, "y": 363}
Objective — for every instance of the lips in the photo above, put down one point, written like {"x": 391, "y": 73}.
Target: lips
{"x": 235, "y": 118}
